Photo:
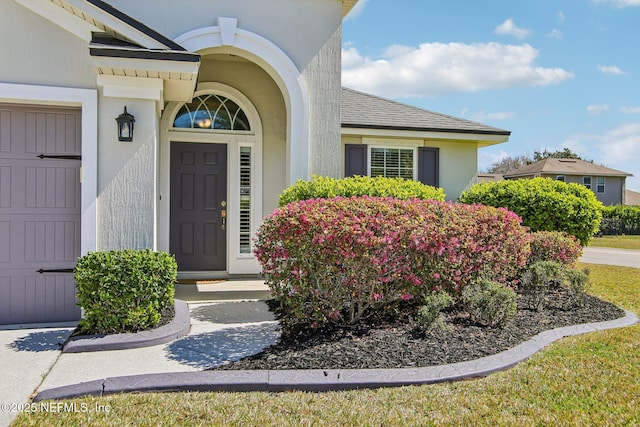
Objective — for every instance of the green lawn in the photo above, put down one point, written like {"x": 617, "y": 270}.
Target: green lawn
{"x": 585, "y": 380}
{"x": 620, "y": 242}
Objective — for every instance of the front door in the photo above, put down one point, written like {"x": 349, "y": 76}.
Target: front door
{"x": 198, "y": 236}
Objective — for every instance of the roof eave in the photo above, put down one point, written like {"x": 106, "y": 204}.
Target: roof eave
{"x": 426, "y": 129}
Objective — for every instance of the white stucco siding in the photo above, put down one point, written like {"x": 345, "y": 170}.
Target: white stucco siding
{"x": 300, "y": 28}
{"x": 126, "y": 176}
{"x": 36, "y": 51}
{"x": 323, "y": 79}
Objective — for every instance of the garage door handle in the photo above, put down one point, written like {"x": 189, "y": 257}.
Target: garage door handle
{"x": 59, "y": 270}
{"x": 59, "y": 156}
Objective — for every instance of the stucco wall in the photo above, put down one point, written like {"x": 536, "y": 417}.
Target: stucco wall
{"x": 265, "y": 95}
{"x": 126, "y": 176}
{"x": 300, "y": 27}
{"x": 323, "y": 77}
{"x": 36, "y": 51}
{"x": 458, "y": 162}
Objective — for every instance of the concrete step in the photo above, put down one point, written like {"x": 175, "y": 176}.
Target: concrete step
{"x": 217, "y": 290}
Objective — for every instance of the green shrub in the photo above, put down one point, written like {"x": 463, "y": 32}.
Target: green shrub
{"x": 433, "y": 304}
{"x": 577, "y": 282}
{"x": 543, "y": 204}
{"x": 124, "y": 291}
{"x": 555, "y": 246}
{"x": 618, "y": 220}
{"x": 489, "y": 303}
{"x": 339, "y": 260}
{"x": 326, "y": 188}
{"x": 538, "y": 280}
{"x": 543, "y": 276}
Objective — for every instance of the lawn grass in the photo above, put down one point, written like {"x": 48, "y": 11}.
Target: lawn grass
{"x": 586, "y": 380}
{"x": 619, "y": 242}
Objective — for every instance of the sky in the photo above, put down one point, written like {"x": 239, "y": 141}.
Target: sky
{"x": 556, "y": 73}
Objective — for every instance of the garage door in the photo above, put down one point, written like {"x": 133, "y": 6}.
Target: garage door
{"x": 39, "y": 213}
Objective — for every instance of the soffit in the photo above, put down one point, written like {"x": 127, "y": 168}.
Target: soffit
{"x": 347, "y": 5}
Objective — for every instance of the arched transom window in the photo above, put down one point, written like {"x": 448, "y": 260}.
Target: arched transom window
{"x": 212, "y": 112}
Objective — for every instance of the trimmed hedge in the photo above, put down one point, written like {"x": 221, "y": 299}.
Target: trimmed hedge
{"x": 554, "y": 246}
{"x": 326, "y": 188}
{"x": 339, "y": 260}
{"x": 543, "y": 204}
{"x": 618, "y": 220}
{"x": 125, "y": 290}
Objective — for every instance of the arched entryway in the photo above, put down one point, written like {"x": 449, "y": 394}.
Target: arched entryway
{"x": 210, "y": 202}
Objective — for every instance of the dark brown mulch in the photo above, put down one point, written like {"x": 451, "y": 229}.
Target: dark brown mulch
{"x": 398, "y": 344}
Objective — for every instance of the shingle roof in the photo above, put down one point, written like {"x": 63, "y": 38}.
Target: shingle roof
{"x": 565, "y": 167}
{"x": 362, "y": 110}
{"x": 632, "y": 198}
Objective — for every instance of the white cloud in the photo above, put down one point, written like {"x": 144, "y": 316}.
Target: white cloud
{"x": 509, "y": 27}
{"x": 617, "y": 148}
{"x": 611, "y": 69}
{"x": 561, "y": 17}
{"x": 630, "y": 110}
{"x": 482, "y": 116}
{"x": 597, "y": 108}
{"x": 555, "y": 34}
{"x": 621, "y": 3}
{"x": 356, "y": 10}
{"x": 442, "y": 68}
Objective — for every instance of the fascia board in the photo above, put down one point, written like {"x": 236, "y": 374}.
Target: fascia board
{"x": 117, "y": 25}
{"x": 481, "y": 139}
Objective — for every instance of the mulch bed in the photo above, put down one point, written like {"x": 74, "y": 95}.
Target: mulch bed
{"x": 397, "y": 343}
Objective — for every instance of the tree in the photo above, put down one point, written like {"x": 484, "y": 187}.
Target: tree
{"x": 564, "y": 154}
{"x": 508, "y": 164}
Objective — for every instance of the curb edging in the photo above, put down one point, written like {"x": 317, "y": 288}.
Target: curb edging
{"x": 330, "y": 379}
{"x": 177, "y": 328}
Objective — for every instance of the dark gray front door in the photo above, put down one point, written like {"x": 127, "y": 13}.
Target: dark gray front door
{"x": 198, "y": 235}
{"x": 39, "y": 213}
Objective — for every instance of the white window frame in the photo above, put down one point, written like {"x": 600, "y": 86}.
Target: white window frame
{"x": 584, "y": 182}
{"x": 561, "y": 178}
{"x": 414, "y": 150}
{"x": 604, "y": 184}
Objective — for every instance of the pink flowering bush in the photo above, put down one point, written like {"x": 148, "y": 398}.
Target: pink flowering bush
{"x": 555, "y": 246}
{"x": 342, "y": 259}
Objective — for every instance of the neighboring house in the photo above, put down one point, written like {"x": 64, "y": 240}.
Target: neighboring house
{"x": 607, "y": 184}
{"x": 632, "y": 198}
{"x": 233, "y": 102}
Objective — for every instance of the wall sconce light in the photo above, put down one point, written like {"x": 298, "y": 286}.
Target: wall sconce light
{"x": 125, "y": 126}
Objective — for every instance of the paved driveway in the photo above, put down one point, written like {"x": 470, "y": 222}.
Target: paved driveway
{"x": 620, "y": 257}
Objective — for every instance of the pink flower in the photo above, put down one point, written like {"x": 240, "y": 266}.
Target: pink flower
{"x": 406, "y": 297}
{"x": 436, "y": 276}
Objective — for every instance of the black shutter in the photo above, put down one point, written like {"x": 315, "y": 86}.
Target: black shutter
{"x": 429, "y": 166}
{"x": 355, "y": 160}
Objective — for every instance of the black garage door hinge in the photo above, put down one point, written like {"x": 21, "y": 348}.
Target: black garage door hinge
{"x": 59, "y": 270}
{"x": 60, "y": 156}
